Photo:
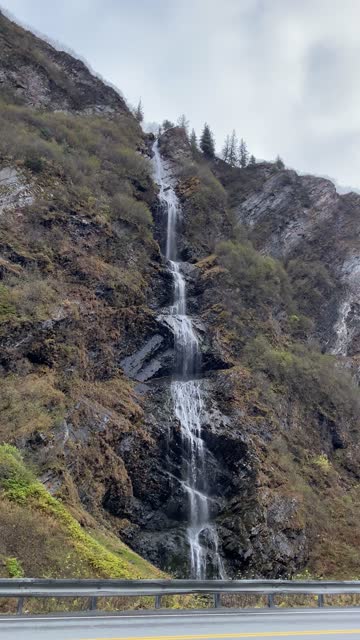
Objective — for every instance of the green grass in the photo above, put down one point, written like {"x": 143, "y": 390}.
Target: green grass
{"x": 102, "y": 553}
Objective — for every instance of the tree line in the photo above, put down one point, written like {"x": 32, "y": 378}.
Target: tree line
{"x": 234, "y": 152}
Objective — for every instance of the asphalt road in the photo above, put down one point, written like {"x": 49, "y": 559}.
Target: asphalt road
{"x": 311, "y": 624}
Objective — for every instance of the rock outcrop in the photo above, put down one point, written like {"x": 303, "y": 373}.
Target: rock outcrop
{"x": 41, "y": 76}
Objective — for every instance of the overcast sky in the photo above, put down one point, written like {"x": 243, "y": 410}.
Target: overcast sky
{"x": 284, "y": 73}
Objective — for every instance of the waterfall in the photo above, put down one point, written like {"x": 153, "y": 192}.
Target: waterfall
{"x": 343, "y": 333}
{"x": 187, "y": 397}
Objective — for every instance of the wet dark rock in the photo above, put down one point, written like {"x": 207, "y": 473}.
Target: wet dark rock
{"x": 38, "y": 439}
{"x": 144, "y": 364}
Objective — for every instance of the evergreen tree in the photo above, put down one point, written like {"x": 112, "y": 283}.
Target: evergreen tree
{"x": 252, "y": 160}
{"x": 225, "y": 151}
{"x": 279, "y": 163}
{"x": 233, "y": 156}
{"x": 243, "y": 154}
{"x": 193, "y": 142}
{"x": 183, "y": 122}
{"x": 139, "y": 112}
{"x": 167, "y": 124}
{"x": 207, "y": 144}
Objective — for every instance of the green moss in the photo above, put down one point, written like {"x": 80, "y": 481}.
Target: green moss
{"x": 19, "y": 485}
{"x": 14, "y": 568}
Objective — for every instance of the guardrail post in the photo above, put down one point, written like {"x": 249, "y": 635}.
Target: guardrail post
{"x": 93, "y": 603}
{"x": 157, "y": 602}
{"x": 320, "y": 600}
{"x": 20, "y": 604}
{"x": 271, "y": 601}
{"x": 217, "y": 600}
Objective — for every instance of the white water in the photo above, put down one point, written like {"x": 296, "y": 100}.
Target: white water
{"x": 187, "y": 398}
{"x": 343, "y": 334}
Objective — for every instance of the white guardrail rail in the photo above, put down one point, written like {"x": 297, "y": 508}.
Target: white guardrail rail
{"x": 92, "y": 589}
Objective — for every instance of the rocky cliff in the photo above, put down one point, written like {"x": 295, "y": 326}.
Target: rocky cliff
{"x": 270, "y": 259}
{"x": 35, "y": 73}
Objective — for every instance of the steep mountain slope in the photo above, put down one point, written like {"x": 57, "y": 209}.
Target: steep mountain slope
{"x": 77, "y": 258}
{"x": 32, "y": 71}
{"x": 87, "y": 356}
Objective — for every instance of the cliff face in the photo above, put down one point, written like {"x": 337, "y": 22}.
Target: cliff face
{"x": 270, "y": 260}
{"x": 294, "y": 217}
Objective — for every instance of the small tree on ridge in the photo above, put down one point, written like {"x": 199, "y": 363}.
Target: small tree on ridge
{"x": 167, "y": 124}
{"x": 139, "y": 112}
{"x": 225, "y": 150}
{"x": 233, "y": 155}
{"x": 207, "y": 144}
{"x": 193, "y": 142}
{"x": 183, "y": 122}
{"x": 243, "y": 154}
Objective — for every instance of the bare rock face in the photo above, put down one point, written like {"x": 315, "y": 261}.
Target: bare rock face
{"x": 41, "y": 76}
{"x": 174, "y": 145}
{"x": 303, "y": 217}
{"x": 14, "y": 190}
{"x": 292, "y": 206}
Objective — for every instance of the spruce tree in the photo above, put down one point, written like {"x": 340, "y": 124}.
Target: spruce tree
{"x": 233, "y": 155}
{"x": 207, "y": 144}
{"x": 225, "y": 151}
{"x": 183, "y": 122}
{"x": 193, "y": 142}
{"x": 139, "y": 112}
{"x": 252, "y": 160}
{"x": 167, "y": 124}
{"x": 279, "y": 163}
{"x": 243, "y": 154}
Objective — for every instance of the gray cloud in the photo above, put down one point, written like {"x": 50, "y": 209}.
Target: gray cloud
{"x": 283, "y": 73}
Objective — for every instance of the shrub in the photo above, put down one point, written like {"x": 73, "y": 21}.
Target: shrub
{"x": 311, "y": 284}
{"x": 34, "y": 162}
{"x": 300, "y": 326}
{"x": 261, "y": 280}
{"x": 322, "y": 462}
{"x": 14, "y": 568}
{"x": 125, "y": 208}
{"x": 313, "y": 377}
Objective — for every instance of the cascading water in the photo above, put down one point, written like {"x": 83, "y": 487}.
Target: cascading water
{"x": 187, "y": 398}
{"x": 342, "y": 331}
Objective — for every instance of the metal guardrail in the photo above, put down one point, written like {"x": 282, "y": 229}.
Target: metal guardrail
{"x": 92, "y": 589}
